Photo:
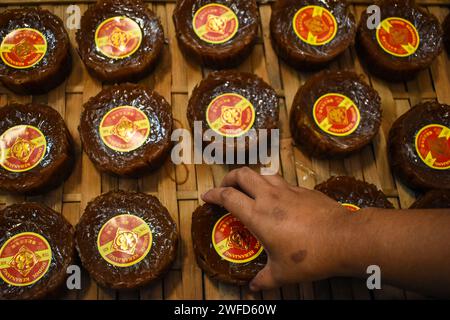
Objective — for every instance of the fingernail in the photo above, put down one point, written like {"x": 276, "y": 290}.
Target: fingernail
{"x": 203, "y": 195}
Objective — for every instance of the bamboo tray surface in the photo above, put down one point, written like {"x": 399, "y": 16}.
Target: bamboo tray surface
{"x": 179, "y": 187}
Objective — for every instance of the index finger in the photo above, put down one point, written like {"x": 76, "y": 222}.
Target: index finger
{"x": 237, "y": 203}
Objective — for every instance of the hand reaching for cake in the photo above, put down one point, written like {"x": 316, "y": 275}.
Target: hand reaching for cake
{"x": 296, "y": 233}
{"x": 308, "y": 236}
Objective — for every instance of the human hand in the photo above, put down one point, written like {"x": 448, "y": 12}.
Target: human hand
{"x": 300, "y": 229}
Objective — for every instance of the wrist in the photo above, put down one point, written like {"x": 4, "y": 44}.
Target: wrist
{"x": 353, "y": 243}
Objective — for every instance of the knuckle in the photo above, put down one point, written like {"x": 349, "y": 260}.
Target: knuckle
{"x": 274, "y": 194}
{"x": 226, "y": 194}
{"x": 244, "y": 172}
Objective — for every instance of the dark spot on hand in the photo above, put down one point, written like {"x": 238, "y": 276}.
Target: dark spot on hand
{"x": 298, "y": 256}
{"x": 279, "y": 213}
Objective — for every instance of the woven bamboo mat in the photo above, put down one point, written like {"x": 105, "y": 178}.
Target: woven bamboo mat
{"x": 175, "y": 78}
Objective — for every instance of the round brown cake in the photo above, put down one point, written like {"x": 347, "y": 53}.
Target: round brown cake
{"x": 308, "y": 34}
{"x": 36, "y": 248}
{"x": 419, "y": 146}
{"x": 335, "y": 114}
{"x": 126, "y": 239}
{"x": 407, "y": 40}
{"x": 36, "y": 149}
{"x": 125, "y": 130}
{"x": 232, "y": 103}
{"x": 120, "y": 40}
{"x": 34, "y": 51}
{"x": 354, "y": 194}
{"x": 217, "y": 33}
{"x": 224, "y": 247}
{"x": 433, "y": 199}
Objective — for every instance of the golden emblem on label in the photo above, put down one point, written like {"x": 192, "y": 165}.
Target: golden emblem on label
{"x": 233, "y": 241}
{"x": 315, "y": 25}
{"x": 118, "y": 37}
{"x": 23, "y": 48}
{"x": 124, "y": 128}
{"x": 398, "y": 37}
{"x": 230, "y": 115}
{"x": 215, "y": 23}
{"x": 124, "y": 240}
{"x": 24, "y": 259}
{"x": 336, "y": 114}
{"x": 22, "y": 148}
{"x": 433, "y": 146}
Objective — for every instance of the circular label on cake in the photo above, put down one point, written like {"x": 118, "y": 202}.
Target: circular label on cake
{"x": 350, "y": 206}
{"x": 118, "y": 37}
{"x": 233, "y": 241}
{"x": 23, "y": 48}
{"x": 398, "y": 37}
{"x": 124, "y": 128}
{"x": 315, "y": 25}
{"x": 433, "y": 146}
{"x": 22, "y": 148}
{"x": 336, "y": 114}
{"x": 215, "y": 23}
{"x": 124, "y": 240}
{"x": 230, "y": 115}
{"x": 24, "y": 259}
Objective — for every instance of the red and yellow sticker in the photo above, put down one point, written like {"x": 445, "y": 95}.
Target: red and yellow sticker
{"x": 118, "y": 37}
{"x": 433, "y": 146}
{"x": 215, "y": 23}
{"x": 24, "y": 259}
{"x": 124, "y": 240}
{"x": 350, "y": 206}
{"x": 336, "y": 114}
{"x": 22, "y": 148}
{"x": 230, "y": 115}
{"x": 23, "y": 48}
{"x": 315, "y": 25}
{"x": 233, "y": 241}
{"x": 124, "y": 128}
{"x": 398, "y": 37}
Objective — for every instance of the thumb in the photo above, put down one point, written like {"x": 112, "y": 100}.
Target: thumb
{"x": 264, "y": 280}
